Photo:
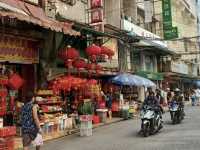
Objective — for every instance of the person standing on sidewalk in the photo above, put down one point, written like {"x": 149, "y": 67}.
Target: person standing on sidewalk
{"x": 197, "y": 92}
{"x": 30, "y": 122}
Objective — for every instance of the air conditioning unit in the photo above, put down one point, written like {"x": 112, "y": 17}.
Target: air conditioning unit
{"x": 69, "y": 2}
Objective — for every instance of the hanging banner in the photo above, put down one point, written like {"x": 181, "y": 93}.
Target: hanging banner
{"x": 148, "y": 7}
{"x": 97, "y": 15}
{"x": 15, "y": 50}
{"x": 96, "y": 3}
{"x": 169, "y": 31}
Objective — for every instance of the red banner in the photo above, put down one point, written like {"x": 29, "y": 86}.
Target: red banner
{"x": 15, "y": 50}
{"x": 96, "y": 3}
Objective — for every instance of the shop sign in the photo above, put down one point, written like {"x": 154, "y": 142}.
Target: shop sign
{"x": 179, "y": 68}
{"x": 97, "y": 15}
{"x": 16, "y": 50}
{"x": 169, "y": 31}
{"x": 96, "y": 3}
{"x": 138, "y": 31}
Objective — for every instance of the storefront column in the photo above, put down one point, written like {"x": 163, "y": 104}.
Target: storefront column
{"x": 141, "y": 93}
{"x": 155, "y": 63}
{"x": 142, "y": 61}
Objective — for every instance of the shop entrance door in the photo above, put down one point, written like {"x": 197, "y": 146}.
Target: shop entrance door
{"x": 29, "y": 75}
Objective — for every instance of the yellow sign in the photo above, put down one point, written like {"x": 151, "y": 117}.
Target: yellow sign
{"x": 15, "y": 50}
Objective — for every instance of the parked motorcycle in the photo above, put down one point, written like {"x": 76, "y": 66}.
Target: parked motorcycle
{"x": 176, "y": 111}
{"x": 151, "y": 121}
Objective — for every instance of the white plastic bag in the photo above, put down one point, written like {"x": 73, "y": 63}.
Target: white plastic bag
{"x": 38, "y": 140}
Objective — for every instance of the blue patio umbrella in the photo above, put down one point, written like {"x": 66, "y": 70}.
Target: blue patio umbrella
{"x": 131, "y": 80}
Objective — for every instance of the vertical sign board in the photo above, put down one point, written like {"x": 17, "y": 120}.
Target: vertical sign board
{"x": 97, "y": 15}
{"x": 170, "y": 32}
{"x": 148, "y": 7}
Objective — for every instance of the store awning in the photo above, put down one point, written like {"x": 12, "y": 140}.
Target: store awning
{"x": 180, "y": 76}
{"x": 148, "y": 45}
{"x": 22, "y": 11}
{"x": 150, "y": 75}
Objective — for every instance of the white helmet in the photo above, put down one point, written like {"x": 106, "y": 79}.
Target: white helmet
{"x": 177, "y": 90}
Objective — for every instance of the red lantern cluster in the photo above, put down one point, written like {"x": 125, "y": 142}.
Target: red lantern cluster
{"x": 106, "y": 51}
{"x": 79, "y": 64}
{"x": 69, "y": 55}
{"x": 93, "y": 51}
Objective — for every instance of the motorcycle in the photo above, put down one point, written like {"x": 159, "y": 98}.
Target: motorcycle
{"x": 151, "y": 121}
{"x": 176, "y": 112}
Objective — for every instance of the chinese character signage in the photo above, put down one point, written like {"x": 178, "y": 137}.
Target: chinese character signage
{"x": 170, "y": 32}
{"x": 96, "y": 3}
{"x": 16, "y": 50}
{"x": 97, "y": 16}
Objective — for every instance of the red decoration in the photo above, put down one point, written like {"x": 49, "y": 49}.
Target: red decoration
{"x": 79, "y": 64}
{"x": 69, "y": 55}
{"x": 96, "y": 3}
{"x": 106, "y": 51}
{"x": 93, "y": 51}
{"x": 98, "y": 69}
{"x": 15, "y": 82}
{"x": 97, "y": 16}
{"x": 90, "y": 68}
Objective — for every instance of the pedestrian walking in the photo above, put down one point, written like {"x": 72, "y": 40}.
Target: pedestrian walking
{"x": 193, "y": 98}
{"x": 31, "y": 131}
{"x": 109, "y": 104}
{"x": 197, "y": 92}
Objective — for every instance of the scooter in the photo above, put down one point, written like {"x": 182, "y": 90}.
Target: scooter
{"x": 151, "y": 121}
{"x": 176, "y": 112}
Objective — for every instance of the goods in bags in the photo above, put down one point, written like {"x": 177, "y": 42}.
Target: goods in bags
{"x": 38, "y": 140}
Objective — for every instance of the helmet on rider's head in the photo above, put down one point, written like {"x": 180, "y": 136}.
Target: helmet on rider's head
{"x": 177, "y": 91}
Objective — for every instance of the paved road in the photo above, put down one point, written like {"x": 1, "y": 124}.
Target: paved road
{"x": 123, "y": 136}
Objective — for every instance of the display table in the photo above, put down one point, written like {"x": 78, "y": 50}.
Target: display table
{"x": 102, "y": 113}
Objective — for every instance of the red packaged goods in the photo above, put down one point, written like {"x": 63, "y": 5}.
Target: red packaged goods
{"x": 2, "y": 110}
{"x": 7, "y": 131}
{"x": 3, "y": 80}
{"x": 15, "y": 81}
{"x": 3, "y": 92}
{"x": 115, "y": 106}
{"x": 7, "y": 143}
{"x": 96, "y": 119}
{"x": 102, "y": 104}
{"x": 86, "y": 118}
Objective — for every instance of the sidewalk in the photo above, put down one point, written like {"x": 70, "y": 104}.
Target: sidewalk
{"x": 18, "y": 140}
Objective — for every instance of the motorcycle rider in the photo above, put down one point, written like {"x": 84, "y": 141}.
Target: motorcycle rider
{"x": 178, "y": 98}
{"x": 153, "y": 102}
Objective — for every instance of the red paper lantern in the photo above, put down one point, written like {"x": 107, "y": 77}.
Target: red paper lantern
{"x": 106, "y": 51}
{"x": 79, "y": 64}
{"x": 15, "y": 82}
{"x": 69, "y": 53}
{"x": 98, "y": 69}
{"x": 93, "y": 51}
{"x": 90, "y": 68}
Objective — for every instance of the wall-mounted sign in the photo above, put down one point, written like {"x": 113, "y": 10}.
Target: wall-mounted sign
{"x": 169, "y": 31}
{"x": 96, "y": 3}
{"x": 138, "y": 31}
{"x": 179, "y": 68}
{"x": 96, "y": 16}
{"x": 15, "y": 50}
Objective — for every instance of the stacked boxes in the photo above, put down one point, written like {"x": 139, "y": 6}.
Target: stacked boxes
{"x": 86, "y": 125}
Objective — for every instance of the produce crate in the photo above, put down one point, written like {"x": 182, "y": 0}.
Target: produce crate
{"x": 7, "y": 143}
{"x": 7, "y": 131}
